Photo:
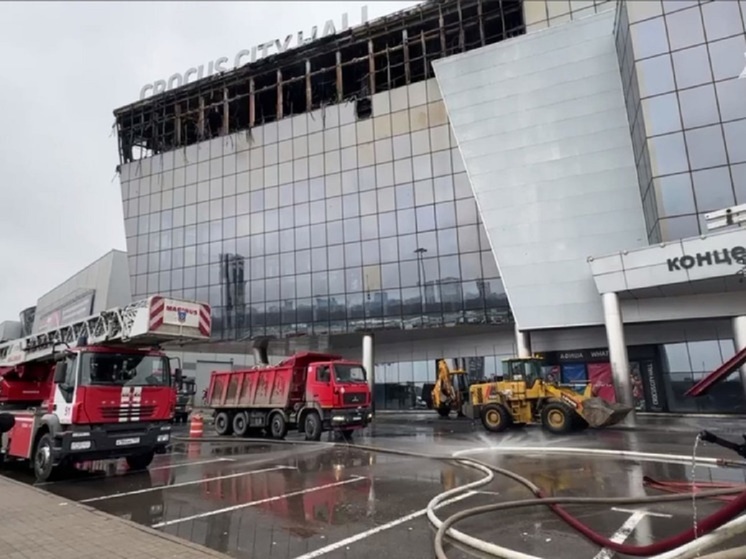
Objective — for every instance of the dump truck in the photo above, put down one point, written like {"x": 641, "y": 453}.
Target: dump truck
{"x": 525, "y": 397}
{"x": 97, "y": 388}
{"x": 309, "y": 392}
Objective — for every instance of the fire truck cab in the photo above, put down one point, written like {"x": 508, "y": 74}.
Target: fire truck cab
{"x": 106, "y": 394}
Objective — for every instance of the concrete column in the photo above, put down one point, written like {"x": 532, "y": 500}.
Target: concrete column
{"x": 618, "y": 352}
{"x": 523, "y": 343}
{"x": 369, "y": 365}
{"x": 739, "y": 337}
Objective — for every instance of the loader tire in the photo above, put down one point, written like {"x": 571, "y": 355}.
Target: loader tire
{"x": 578, "y": 423}
{"x": 557, "y": 418}
{"x": 496, "y": 418}
{"x": 444, "y": 410}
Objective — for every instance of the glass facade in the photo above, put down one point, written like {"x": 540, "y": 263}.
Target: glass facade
{"x": 319, "y": 223}
{"x": 686, "y": 363}
{"x": 680, "y": 61}
{"x": 407, "y": 385}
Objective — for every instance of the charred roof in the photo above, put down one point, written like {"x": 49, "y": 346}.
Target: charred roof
{"x": 390, "y": 52}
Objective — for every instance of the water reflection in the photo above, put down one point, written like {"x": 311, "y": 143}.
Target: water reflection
{"x": 313, "y": 500}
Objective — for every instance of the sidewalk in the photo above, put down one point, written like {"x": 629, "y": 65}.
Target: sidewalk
{"x": 38, "y": 525}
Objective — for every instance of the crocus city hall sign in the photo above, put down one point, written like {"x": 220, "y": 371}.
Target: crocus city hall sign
{"x": 247, "y": 56}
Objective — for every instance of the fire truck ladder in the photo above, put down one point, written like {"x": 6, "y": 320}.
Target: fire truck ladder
{"x": 113, "y": 325}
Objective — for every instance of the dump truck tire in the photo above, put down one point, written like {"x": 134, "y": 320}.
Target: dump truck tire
{"x": 312, "y": 426}
{"x": 278, "y": 427}
{"x": 496, "y": 418}
{"x": 557, "y": 418}
{"x": 223, "y": 424}
{"x": 241, "y": 424}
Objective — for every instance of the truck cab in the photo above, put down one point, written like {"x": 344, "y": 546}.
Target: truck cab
{"x": 340, "y": 389}
{"x": 337, "y": 384}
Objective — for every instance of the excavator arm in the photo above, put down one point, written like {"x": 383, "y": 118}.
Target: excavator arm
{"x": 443, "y": 391}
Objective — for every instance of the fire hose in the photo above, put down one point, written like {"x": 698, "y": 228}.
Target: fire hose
{"x": 711, "y": 531}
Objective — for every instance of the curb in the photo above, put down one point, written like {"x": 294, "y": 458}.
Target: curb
{"x": 111, "y": 518}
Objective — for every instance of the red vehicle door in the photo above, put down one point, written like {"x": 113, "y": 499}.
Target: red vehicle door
{"x": 319, "y": 385}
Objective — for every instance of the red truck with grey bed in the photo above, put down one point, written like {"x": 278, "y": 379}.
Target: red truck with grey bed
{"x": 308, "y": 392}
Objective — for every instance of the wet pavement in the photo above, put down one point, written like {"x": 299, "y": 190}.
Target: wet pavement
{"x": 277, "y": 501}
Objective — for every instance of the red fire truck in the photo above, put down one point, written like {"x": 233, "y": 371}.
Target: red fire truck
{"x": 310, "y": 392}
{"x": 95, "y": 389}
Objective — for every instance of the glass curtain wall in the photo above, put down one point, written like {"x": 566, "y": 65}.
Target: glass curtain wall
{"x": 320, "y": 223}
{"x": 680, "y": 61}
{"x": 686, "y": 363}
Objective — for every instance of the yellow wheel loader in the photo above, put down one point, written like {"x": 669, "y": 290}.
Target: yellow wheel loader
{"x": 451, "y": 390}
{"x": 525, "y": 397}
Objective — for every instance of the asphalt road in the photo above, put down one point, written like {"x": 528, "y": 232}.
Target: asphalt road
{"x": 273, "y": 501}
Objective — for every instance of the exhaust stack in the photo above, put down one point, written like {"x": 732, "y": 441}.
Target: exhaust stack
{"x": 260, "y": 350}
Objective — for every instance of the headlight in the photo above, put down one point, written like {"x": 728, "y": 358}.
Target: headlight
{"x": 80, "y": 445}
{"x": 163, "y": 438}
{"x": 338, "y": 418}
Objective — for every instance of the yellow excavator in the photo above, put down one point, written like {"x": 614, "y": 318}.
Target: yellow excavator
{"x": 524, "y": 396}
{"x": 451, "y": 390}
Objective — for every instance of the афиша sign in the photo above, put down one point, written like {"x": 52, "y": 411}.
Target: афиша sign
{"x": 247, "y": 56}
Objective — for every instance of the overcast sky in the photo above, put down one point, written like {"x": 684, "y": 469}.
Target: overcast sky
{"x": 66, "y": 67}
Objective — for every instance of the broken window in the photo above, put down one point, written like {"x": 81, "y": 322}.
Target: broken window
{"x": 388, "y": 53}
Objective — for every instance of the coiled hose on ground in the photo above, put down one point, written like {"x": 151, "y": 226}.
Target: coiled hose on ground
{"x": 711, "y": 531}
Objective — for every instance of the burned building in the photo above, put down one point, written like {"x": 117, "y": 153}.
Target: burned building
{"x": 451, "y": 173}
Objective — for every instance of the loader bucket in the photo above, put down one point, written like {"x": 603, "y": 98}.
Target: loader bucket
{"x": 600, "y": 413}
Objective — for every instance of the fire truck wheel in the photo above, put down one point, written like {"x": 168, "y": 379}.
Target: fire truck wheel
{"x": 347, "y": 434}
{"x": 278, "y": 427}
{"x": 223, "y": 424}
{"x": 44, "y": 468}
{"x": 312, "y": 426}
{"x": 140, "y": 461}
{"x": 241, "y": 424}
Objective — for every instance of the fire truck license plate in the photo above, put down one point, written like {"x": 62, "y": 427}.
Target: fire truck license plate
{"x": 125, "y": 442}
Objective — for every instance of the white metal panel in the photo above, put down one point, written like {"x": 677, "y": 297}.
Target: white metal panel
{"x": 541, "y": 124}
{"x": 707, "y": 257}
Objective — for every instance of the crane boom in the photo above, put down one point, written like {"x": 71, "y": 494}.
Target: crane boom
{"x": 151, "y": 321}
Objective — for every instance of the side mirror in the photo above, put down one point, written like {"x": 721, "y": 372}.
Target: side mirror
{"x": 60, "y": 372}
{"x": 178, "y": 377}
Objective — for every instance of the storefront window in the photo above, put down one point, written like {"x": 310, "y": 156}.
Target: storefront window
{"x": 408, "y": 385}
{"x": 686, "y": 363}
